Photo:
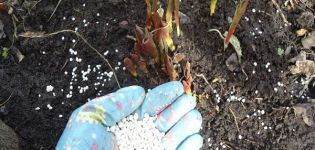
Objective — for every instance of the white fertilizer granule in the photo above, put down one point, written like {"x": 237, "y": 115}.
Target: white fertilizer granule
{"x": 134, "y": 134}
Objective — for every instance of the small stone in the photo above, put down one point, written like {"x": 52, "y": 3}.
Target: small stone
{"x": 123, "y": 24}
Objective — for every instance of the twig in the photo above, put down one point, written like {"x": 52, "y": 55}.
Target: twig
{"x": 131, "y": 37}
{"x": 54, "y": 10}
{"x": 244, "y": 72}
{"x": 238, "y": 129}
{"x": 42, "y": 35}
{"x": 35, "y": 4}
{"x": 216, "y": 30}
{"x": 64, "y": 65}
{"x": 228, "y": 144}
{"x": 6, "y": 100}
{"x": 203, "y": 77}
{"x": 280, "y": 11}
{"x": 250, "y": 141}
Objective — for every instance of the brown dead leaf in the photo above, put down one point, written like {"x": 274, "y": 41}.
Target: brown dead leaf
{"x": 309, "y": 41}
{"x": 306, "y": 67}
{"x": 306, "y": 111}
{"x": 179, "y": 57}
{"x": 29, "y": 34}
{"x": 301, "y": 32}
{"x": 300, "y": 57}
{"x": 187, "y": 73}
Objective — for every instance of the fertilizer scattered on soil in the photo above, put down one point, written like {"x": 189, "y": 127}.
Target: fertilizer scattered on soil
{"x": 132, "y": 133}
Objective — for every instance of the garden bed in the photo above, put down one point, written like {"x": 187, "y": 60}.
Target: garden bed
{"x": 238, "y": 113}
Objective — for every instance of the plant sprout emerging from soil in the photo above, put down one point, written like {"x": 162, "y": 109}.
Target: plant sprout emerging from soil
{"x": 213, "y": 5}
{"x": 153, "y": 44}
{"x": 239, "y": 12}
{"x": 173, "y": 7}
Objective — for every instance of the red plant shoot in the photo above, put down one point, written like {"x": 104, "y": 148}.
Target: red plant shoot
{"x": 140, "y": 64}
{"x": 130, "y": 66}
{"x": 239, "y": 12}
{"x": 149, "y": 47}
{"x": 177, "y": 19}
{"x": 169, "y": 67}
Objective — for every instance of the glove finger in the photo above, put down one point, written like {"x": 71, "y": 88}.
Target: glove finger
{"x": 113, "y": 107}
{"x": 193, "y": 142}
{"x": 85, "y": 135}
{"x": 160, "y": 97}
{"x": 186, "y": 126}
{"x": 168, "y": 117}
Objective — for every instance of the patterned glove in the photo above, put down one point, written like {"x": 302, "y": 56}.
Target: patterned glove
{"x": 176, "y": 116}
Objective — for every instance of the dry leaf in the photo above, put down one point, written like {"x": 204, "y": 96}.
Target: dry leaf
{"x": 301, "y": 32}
{"x": 213, "y": 5}
{"x": 300, "y": 57}
{"x": 306, "y": 111}
{"x": 30, "y": 34}
{"x": 187, "y": 73}
{"x": 178, "y": 57}
{"x": 306, "y": 67}
{"x": 309, "y": 41}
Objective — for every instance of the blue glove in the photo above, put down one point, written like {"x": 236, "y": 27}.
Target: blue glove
{"x": 176, "y": 116}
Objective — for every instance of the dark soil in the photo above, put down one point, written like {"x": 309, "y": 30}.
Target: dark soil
{"x": 234, "y": 125}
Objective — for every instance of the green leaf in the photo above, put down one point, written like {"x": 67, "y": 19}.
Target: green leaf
{"x": 236, "y": 45}
{"x": 280, "y": 51}
{"x": 5, "y": 53}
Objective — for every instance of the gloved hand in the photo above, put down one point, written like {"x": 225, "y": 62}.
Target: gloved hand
{"x": 176, "y": 116}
